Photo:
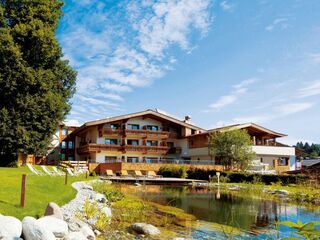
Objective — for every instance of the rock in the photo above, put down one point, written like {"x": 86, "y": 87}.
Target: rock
{"x": 10, "y": 227}
{"x": 137, "y": 184}
{"x": 57, "y": 226}
{"x": 53, "y": 210}
{"x": 99, "y": 198}
{"x": 87, "y": 232}
{"x": 75, "y": 225}
{"x": 75, "y": 236}
{"x": 97, "y": 232}
{"x": 144, "y": 228}
{"x": 235, "y": 188}
{"x": 88, "y": 187}
{"x": 106, "y": 211}
{"x": 32, "y": 230}
{"x": 282, "y": 192}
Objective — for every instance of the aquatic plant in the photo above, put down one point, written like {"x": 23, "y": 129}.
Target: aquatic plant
{"x": 309, "y": 230}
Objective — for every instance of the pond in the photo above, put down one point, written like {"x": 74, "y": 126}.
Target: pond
{"x": 218, "y": 212}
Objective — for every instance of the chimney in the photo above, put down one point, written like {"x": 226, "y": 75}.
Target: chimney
{"x": 187, "y": 119}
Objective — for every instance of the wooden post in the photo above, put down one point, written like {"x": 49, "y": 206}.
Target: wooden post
{"x": 218, "y": 175}
{"x": 66, "y": 179}
{"x": 23, "y": 190}
{"x": 86, "y": 174}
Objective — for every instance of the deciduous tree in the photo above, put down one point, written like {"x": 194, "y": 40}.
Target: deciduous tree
{"x": 35, "y": 82}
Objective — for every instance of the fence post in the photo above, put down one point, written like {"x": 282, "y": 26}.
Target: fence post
{"x": 23, "y": 190}
{"x": 66, "y": 179}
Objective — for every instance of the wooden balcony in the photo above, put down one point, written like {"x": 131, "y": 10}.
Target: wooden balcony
{"x": 175, "y": 150}
{"x": 146, "y": 134}
{"x": 110, "y": 132}
{"x": 146, "y": 149}
{"x": 93, "y": 147}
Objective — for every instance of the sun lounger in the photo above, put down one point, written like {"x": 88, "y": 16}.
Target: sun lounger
{"x": 138, "y": 173}
{"x": 34, "y": 171}
{"x": 124, "y": 173}
{"x": 55, "y": 169}
{"x": 153, "y": 174}
{"x": 47, "y": 171}
{"x": 69, "y": 171}
{"x": 109, "y": 173}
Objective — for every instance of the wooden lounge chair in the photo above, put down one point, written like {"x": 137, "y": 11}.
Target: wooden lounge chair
{"x": 69, "y": 171}
{"x": 109, "y": 173}
{"x": 47, "y": 171}
{"x": 138, "y": 173}
{"x": 124, "y": 173}
{"x": 33, "y": 170}
{"x": 153, "y": 174}
{"x": 55, "y": 169}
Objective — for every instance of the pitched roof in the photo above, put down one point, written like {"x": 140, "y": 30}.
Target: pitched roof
{"x": 138, "y": 114}
{"x": 242, "y": 126}
{"x": 310, "y": 162}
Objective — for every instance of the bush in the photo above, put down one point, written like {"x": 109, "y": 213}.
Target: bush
{"x": 173, "y": 171}
{"x": 240, "y": 177}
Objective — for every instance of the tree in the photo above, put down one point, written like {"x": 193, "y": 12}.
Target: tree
{"x": 232, "y": 148}
{"x": 35, "y": 83}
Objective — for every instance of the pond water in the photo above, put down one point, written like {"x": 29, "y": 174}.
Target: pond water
{"x": 254, "y": 218}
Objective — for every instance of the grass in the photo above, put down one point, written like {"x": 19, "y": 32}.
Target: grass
{"x": 40, "y": 191}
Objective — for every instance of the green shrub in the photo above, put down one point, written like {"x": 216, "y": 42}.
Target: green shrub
{"x": 242, "y": 177}
{"x": 112, "y": 193}
{"x": 173, "y": 171}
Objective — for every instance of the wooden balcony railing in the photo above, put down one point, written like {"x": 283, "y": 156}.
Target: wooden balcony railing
{"x": 110, "y": 132}
{"x": 146, "y": 149}
{"x": 93, "y": 147}
{"x": 147, "y": 134}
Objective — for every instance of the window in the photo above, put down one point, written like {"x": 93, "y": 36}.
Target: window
{"x": 133, "y": 126}
{"x": 151, "y": 143}
{"x": 63, "y": 145}
{"x": 111, "y": 141}
{"x": 151, "y": 160}
{"x": 63, "y": 156}
{"x": 70, "y": 145}
{"x": 114, "y": 126}
{"x": 110, "y": 159}
{"x": 283, "y": 161}
{"x": 64, "y": 131}
{"x": 152, "y": 128}
{"x": 132, "y": 159}
{"x": 70, "y": 158}
{"x": 132, "y": 142}
{"x": 170, "y": 144}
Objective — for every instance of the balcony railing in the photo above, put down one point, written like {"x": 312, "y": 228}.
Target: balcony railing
{"x": 147, "y": 134}
{"x": 110, "y": 132}
{"x": 92, "y": 147}
{"x": 146, "y": 149}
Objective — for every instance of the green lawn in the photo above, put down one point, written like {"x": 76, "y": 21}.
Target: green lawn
{"x": 40, "y": 191}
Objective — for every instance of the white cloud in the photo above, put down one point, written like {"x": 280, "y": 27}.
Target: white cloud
{"x": 254, "y": 119}
{"x": 169, "y": 22}
{"x": 226, "y": 6}
{"x": 311, "y": 90}
{"x": 116, "y": 87}
{"x": 290, "y": 108}
{"x": 238, "y": 90}
{"x": 278, "y": 22}
{"x": 315, "y": 57}
{"x": 72, "y": 122}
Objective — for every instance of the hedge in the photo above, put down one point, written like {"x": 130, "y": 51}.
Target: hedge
{"x": 239, "y": 177}
{"x": 173, "y": 171}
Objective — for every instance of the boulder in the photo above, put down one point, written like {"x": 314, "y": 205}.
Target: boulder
{"x": 87, "y": 232}
{"x": 53, "y": 210}
{"x": 32, "y": 230}
{"x": 57, "y": 226}
{"x": 282, "y": 192}
{"x": 144, "y": 228}
{"x": 75, "y": 225}
{"x": 99, "y": 197}
{"x": 106, "y": 211}
{"x": 88, "y": 187}
{"x": 75, "y": 236}
{"x": 10, "y": 227}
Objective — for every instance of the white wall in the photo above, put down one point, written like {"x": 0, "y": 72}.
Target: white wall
{"x": 276, "y": 151}
{"x": 142, "y": 122}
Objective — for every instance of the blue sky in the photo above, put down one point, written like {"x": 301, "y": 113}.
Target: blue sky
{"x": 222, "y": 62}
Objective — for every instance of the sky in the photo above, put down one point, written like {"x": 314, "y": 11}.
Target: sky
{"x": 221, "y": 62}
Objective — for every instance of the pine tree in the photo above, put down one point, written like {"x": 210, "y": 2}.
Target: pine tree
{"x": 35, "y": 83}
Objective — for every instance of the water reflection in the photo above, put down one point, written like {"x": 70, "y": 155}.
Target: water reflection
{"x": 255, "y": 216}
